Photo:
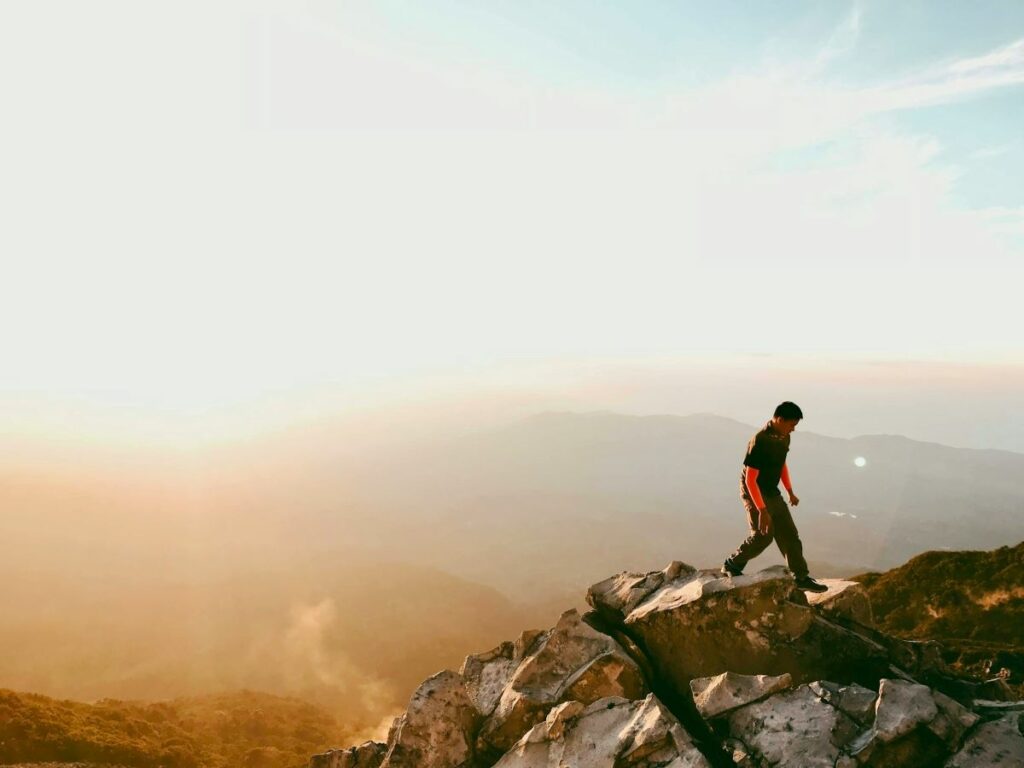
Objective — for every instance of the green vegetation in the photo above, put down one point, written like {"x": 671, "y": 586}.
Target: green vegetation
{"x": 972, "y": 602}
{"x": 250, "y": 729}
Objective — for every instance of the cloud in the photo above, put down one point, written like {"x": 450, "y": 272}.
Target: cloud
{"x": 1010, "y": 57}
{"x": 362, "y": 214}
{"x": 842, "y": 41}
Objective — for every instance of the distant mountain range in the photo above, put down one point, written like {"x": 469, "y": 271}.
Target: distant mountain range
{"x": 558, "y": 499}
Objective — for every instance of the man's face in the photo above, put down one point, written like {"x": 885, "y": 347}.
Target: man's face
{"x": 785, "y": 426}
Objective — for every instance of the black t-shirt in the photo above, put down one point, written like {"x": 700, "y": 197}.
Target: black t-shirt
{"x": 766, "y": 452}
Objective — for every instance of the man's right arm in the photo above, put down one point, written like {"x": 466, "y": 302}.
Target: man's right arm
{"x": 752, "y": 489}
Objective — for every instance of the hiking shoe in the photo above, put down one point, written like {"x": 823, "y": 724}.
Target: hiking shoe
{"x": 730, "y": 569}
{"x": 807, "y": 584}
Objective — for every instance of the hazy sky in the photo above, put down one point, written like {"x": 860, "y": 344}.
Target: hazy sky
{"x": 217, "y": 213}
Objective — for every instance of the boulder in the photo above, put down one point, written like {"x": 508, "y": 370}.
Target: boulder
{"x": 611, "y": 732}
{"x": 367, "y": 755}
{"x": 571, "y": 661}
{"x": 700, "y": 624}
{"x": 913, "y": 725}
{"x": 795, "y": 728}
{"x": 728, "y": 691}
{"x": 844, "y": 600}
{"x": 995, "y": 744}
{"x": 854, "y": 701}
{"x": 437, "y": 729}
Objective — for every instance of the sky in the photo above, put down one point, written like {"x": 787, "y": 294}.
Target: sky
{"x": 222, "y": 215}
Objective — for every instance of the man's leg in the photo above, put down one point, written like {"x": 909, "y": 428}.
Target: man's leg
{"x": 786, "y": 536}
{"x": 755, "y": 543}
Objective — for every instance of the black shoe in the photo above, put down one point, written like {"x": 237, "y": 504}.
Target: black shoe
{"x": 807, "y": 584}
{"x": 728, "y": 569}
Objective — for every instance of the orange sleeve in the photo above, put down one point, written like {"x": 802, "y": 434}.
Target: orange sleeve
{"x": 785, "y": 478}
{"x": 752, "y": 489}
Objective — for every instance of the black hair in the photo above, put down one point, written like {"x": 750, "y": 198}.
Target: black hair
{"x": 789, "y": 411}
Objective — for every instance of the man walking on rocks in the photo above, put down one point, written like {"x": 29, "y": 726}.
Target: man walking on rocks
{"x": 767, "y": 514}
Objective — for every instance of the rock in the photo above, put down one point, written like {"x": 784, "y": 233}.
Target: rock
{"x": 996, "y": 744}
{"x": 844, "y": 600}
{"x": 995, "y": 688}
{"x": 622, "y": 593}
{"x": 702, "y": 624}
{"x": 367, "y": 755}
{"x": 486, "y": 674}
{"x": 611, "y": 732}
{"x": 901, "y": 707}
{"x": 953, "y": 721}
{"x": 796, "y": 728}
{"x": 913, "y": 725}
{"x": 986, "y": 706}
{"x": 717, "y": 695}
{"x": 436, "y": 731}
{"x": 786, "y": 679}
{"x": 571, "y": 661}
{"x": 855, "y": 701}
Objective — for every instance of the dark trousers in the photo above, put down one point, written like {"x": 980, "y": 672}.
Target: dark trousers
{"x": 783, "y": 531}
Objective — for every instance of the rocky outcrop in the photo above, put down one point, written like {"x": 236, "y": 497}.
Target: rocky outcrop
{"x": 685, "y": 667}
{"x": 569, "y": 662}
{"x": 366, "y": 755}
{"x": 994, "y": 744}
{"x": 610, "y": 733}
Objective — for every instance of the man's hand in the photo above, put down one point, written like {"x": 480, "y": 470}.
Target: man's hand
{"x": 793, "y": 499}
{"x": 764, "y": 521}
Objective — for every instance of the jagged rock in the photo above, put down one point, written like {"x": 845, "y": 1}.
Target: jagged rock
{"x": 995, "y": 688}
{"x": 796, "y": 728}
{"x": 571, "y": 661}
{"x": 580, "y": 693}
{"x": 611, "y": 732}
{"x": 625, "y": 591}
{"x": 437, "y": 729}
{"x": 728, "y": 691}
{"x": 486, "y": 674}
{"x": 996, "y": 707}
{"x": 913, "y": 725}
{"x": 856, "y": 701}
{"x": 700, "y": 624}
{"x": 996, "y": 744}
{"x": 366, "y": 755}
{"x": 844, "y": 599}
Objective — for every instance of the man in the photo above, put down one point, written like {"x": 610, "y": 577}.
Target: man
{"x": 767, "y": 514}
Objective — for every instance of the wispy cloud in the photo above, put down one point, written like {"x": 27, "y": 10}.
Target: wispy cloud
{"x": 947, "y": 83}
{"x": 842, "y": 41}
{"x": 1010, "y": 56}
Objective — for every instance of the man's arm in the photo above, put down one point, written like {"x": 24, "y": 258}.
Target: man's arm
{"x": 789, "y": 485}
{"x": 764, "y": 518}
{"x": 752, "y": 489}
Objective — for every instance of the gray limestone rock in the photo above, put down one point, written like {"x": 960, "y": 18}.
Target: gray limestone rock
{"x": 723, "y": 693}
{"x": 913, "y": 724}
{"x": 844, "y": 599}
{"x": 571, "y": 661}
{"x": 367, "y": 755}
{"x": 795, "y": 728}
{"x": 996, "y": 744}
{"x": 611, "y": 732}
{"x": 854, "y": 700}
{"x": 436, "y": 731}
{"x": 701, "y": 624}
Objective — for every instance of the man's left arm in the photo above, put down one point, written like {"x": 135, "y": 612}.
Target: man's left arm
{"x": 789, "y": 486}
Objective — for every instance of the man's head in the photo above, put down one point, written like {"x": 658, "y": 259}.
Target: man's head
{"x": 786, "y": 416}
